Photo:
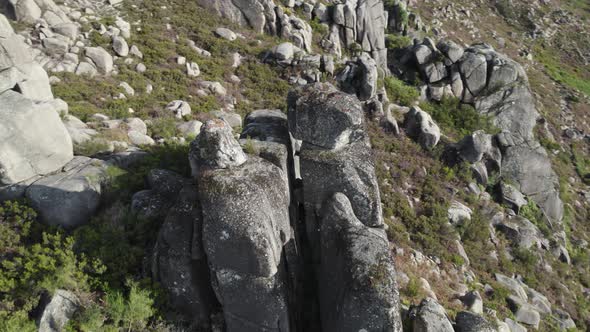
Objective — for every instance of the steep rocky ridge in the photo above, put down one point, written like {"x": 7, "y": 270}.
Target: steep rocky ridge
{"x": 265, "y": 231}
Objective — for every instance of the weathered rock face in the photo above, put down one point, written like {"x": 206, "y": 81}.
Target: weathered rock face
{"x": 360, "y": 77}
{"x": 335, "y": 155}
{"x": 245, "y": 227}
{"x": 419, "y": 125}
{"x": 429, "y": 316}
{"x": 325, "y": 118}
{"x": 179, "y": 263}
{"x": 470, "y": 322}
{"x": 60, "y": 309}
{"x": 363, "y": 23}
{"x": 356, "y": 275}
{"x": 33, "y": 140}
{"x": 71, "y": 197}
{"x": 351, "y": 23}
{"x": 347, "y": 247}
{"x": 215, "y": 147}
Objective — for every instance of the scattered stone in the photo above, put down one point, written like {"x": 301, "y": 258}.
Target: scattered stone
{"x": 226, "y": 34}
{"x": 458, "y": 213}
{"x": 139, "y": 139}
{"x": 429, "y": 316}
{"x": 120, "y": 46}
{"x": 419, "y": 125}
{"x": 101, "y": 58}
{"x": 191, "y": 128}
{"x": 192, "y": 69}
{"x": 179, "y": 108}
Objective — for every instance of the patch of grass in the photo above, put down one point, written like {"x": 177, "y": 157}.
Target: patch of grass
{"x": 164, "y": 127}
{"x": 581, "y": 162}
{"x": 532, "y": 212}
{"x": 262, "y": 86}
{"x": 562, "y": 72}
{"x": 393, "y": 42}
{"x": 458, "y": 119}
{"x": 91, "y": 147}
{"x": 399, "y": 92}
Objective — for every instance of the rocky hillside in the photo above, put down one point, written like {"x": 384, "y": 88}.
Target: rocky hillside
{"x": 266, "y": 165}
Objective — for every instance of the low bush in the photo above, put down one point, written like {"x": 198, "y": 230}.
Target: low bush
{"x": 393, "y": 42}
{"x": 456, "y": 118}
{"x": 399, "y": 92}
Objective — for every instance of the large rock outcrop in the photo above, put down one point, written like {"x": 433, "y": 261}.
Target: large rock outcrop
{"x": 179, "y": 263}
{"x": 357, "y": 287}
{"x": 33, "y": 140}
{"x": 69, "y": 198}
{"x": 245, "y": 227}
{"x": 352, "y": 25}
{"x": 342, "y": 211}
{"x": 498, "y": 87}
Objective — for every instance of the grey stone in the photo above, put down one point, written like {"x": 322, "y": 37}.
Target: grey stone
{"x": 512, "y": 196}
{"x": 266, "y": 125}
{"x": 420, "y": 126}
{"x": 233, "y": 119}
{"x": 68, "y": 29}
{"x": 179, "y": 263}
{"x": 357, "y": 286}
{"x": 322, "y": 116}
{"x": 213, "y": 87}
{"x": 473, "y": 68}
{"x": 71, "y": 197}
{"x": 191, "y": 128}
{"x": 55, "y": 46}
{"x": 458, "y": 213}
{"x": 100, "y": 58}
{"x": 470, "y": 322}
{"x": 138, "y": 138}
{"x": 150, "y": 204}
{"x": 179, "y": 108}
{"x": 514, "y": 326}
{"x": 33, "y": 140}
{"x": 451, "y": 50}
{"x": 226, "y": 34}
{"x": 473, "y": 301}
{"x": 245, "y": 226}
{"x": 192, "y": 69}
{"x": 284, "y": 52}
{"x": 58, "y": 311}
{"x": 136, "y": 124}
{"x": 215, "y": 147}
{"x": 513, "y": 285}
{"x": 521, "y": 232}
{"x": 120, "y": 46}
{"x": 524, "y": 312}
{"x": 429, "y": 316}
{"x": 78, "y": 130}
{"x": 472, "y": 148}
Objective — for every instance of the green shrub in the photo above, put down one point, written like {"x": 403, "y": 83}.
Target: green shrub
{"x": 318, "y": 27}
{"x": 581, "y": 162}
{"x": 457, "y": 118}
{"x": 164, "y": 127}
{"x": 532, "y": 212}
{"x": 393, "y": 42}
{"x": 91, "y": 147}
{"x": 413, "y": 289}
{"x": 249, "y": 147}
{"x": 399, "y": 92}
